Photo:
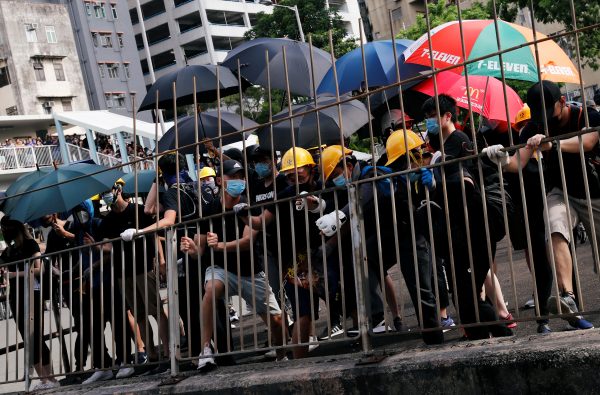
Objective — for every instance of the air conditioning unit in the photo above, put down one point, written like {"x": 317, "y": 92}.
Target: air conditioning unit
{"x": 48, "y": 104}
{"x": 32, "y": 26}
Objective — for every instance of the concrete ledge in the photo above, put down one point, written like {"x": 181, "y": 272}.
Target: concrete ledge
{"x": 566, "y": 362}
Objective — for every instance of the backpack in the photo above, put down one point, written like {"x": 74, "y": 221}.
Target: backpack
{"x": 189, "y": 200}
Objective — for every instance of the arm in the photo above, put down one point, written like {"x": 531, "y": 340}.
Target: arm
{"x": 150, "y": 206}
{"x": 571, "y": 145}
{"x": 224, "y": 246}
{"x": 195, "y": 247}
{"x": 168, "y": 219}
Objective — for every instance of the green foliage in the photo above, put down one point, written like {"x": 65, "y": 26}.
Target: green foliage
{"x": 559, "y": 11}
{"x": 357, "y": 144}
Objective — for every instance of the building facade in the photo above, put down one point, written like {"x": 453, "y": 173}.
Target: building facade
{"x": 376, "y": 19}
{"x": 39, "y": 68}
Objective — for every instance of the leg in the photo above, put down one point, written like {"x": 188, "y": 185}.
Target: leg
{"x": 212, "y": 289}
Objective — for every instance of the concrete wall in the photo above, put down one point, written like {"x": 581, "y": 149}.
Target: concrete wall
{"x": 20, "y": 55}
{"x": 404, "y": 14}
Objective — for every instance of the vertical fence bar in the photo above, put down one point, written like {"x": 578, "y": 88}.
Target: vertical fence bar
{"x": 173, "y": 298}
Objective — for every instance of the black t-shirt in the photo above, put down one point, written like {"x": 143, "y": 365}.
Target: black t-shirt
{"x": 234, "y": 230}
{"x": 114, "y": 224}
{"x": 56, "y": 243}
{"x": 571, "y": 161}
{"x": 188, "y": 195}
{"x": 15, "y": 254}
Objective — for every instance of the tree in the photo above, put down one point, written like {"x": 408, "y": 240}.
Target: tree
{"x": 316, "y": 20}
{"x": 587, "y": 13}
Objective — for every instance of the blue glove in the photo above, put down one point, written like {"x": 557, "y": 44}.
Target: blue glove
{"x": 427, "y": 179}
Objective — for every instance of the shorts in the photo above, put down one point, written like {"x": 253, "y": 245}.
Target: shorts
{"x": 263, "y": 293}
{"x": 578, "y": 210}
{"x": 301, "y": 308}
{"x": 141, "y": 307}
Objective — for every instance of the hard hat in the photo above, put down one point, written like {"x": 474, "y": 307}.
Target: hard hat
{"x": 207, "y": 171}
{"x": 524, "y": 114}
{"x": 95, "y": 198}
{"x": 120, "y": 182}
{"x": 302, "y": 156}
{"x": 330, "y": 158}
{"x": 396, "y": 147}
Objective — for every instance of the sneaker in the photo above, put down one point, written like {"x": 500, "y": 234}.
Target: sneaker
{"x": 124, "y": 372}
{"x": 45, "y": 386}
{"x": 398, "y": 324}
{"x": 447, "y": 323}
{"x": 382, "y": 327}
{"x": 544, "y": 329}
{"x": 283, "y": 359}
{"x": 566, "y": 302}
{"x": 206, "y": 360}
{"x": 162, "y": 367}
{"x": 314, "y": 339}
{"x": 510, "y": 325}
{"x": 336, "y": 330}
{"x": 353, "y": 332}
{"x": 530, "y": 304}
{"x": 576, "y": 323}
{"x": 101, "y": 375}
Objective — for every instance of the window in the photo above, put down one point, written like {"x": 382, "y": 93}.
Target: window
{"x": 38, "y": 69}
{"x": 30, "y": 32}
{"x": 51, "y": 35}
{"x": 125, "y": 70}
{"x": 120, "y": 101}
{"x": 113, "y": 8}
{"x": 58, "y": 70}
{"x": 106, "y": 40}
{"x": 88, "y": 9}
{"x": 109, "y": 101}
{"x": 66, "y": 104}
{"x": 120, "y": 40}
{"x": 5, "y": 78}
{"x": 99, "y": 10}
{"x": 101, "y": 68}
{"x": 95, "y": 39}
{"x": 113, "y": 71}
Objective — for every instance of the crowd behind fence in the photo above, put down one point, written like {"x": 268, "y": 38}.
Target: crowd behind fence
{"x": 318, "y": 245}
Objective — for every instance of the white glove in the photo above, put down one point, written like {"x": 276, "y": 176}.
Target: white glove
{"x": 496, "y": 155}
{"x": 330, "y": 223}
{"x": 128, "y": 234}
{"x": 301, "y": 202}
{"x": 241, "y": 209}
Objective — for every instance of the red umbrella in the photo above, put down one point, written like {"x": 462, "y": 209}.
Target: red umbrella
{"x": 487, "y": 95}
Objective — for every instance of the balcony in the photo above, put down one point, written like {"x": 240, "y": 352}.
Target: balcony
{"x": 154, "y": 36}
{"x": 189, "y": 22}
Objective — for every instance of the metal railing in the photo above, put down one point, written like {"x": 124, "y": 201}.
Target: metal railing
{"x": 341, "y": 261}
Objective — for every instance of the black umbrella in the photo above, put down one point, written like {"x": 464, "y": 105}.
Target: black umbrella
{"x": 354, "y": 116}
{"x": 208, "y": 127}
{"x": 206, "y": 86}
{"x": 251, "y": 55}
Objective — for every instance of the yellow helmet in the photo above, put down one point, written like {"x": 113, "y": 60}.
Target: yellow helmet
{"x": 330, "y": 158}
{"x": 524, "y": 114}
{"x": 96, "y": 197}
{"x": 207, "y": 172}
{"x": 395, "y": 146}
{"x": 303, "y": 158}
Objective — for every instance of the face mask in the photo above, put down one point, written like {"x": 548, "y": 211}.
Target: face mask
{"x": 432, "y": 126}
{"x": 340, "y": 180}
{"x": 262, "y": 169}
{"x": 211, "y": 184}
{"x": 235, "y": 187}
{"x": 108, "y": 198}
{"x": 82, "y": 216}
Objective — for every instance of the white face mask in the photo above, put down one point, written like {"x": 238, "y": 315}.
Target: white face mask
{"x": 82, "y": 216}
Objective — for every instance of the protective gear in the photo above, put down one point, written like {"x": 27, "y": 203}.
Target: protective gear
{"x": 330, "y": 223}
{"x": 95, "y": 198}
{"x": 432, "y": 125}
{"x": 82, "y": 216}
{"x": 427, "y": 179}
{"x": 108, "y": 198}
{"x": 235, "y": 187}
{"x": 120, "y": 182}
{"x": 302, "y": 158}
{"x": 127, "y": 234}
{"x": 241, "y": 209}
{"x": 210, "y": 184}
{"x": 497, "y": 155}
{"x": 331, "y": 157}
{"x": 523, "y": 115}
{"x": 207, "y": 171}
{"x": 263, "y": 169}
{"x": 340, "y": 180}
{"x": 396, "y": 147}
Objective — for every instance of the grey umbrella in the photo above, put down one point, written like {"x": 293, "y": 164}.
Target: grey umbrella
{"x": 251, "y": 55}
{"x": 354, "y": 116}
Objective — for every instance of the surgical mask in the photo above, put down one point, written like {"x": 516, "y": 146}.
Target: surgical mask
{"x": 340, "y": 180}
{"x": 211, "y": 184}
{"x": 432, "y": 125}
{"x": 108, "y": 198}
{"x": 262, "y": 169}
{"x": 235, "y": 187}
{"x": 82, "y": 216}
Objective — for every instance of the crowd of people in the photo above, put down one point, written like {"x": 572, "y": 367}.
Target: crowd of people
{"x": 278, "y": 233}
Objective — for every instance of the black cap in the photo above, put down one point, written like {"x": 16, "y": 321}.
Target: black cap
{"x": 230, "y": 167}
{"x": 551, "y": 93}
{"x": 259, "y": 152}
{"x": 235, "y": 154}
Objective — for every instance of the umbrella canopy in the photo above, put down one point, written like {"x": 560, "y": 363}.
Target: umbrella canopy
{"x": 61, "y": 197}
{"x": 487, "y": 95}
{"x": 480, "y": 40}
{"x": 20, "y": 185}
{"x": 354, "y": 116}
{"x": 208, "y": 127}
{"x": 145, "y": 180}
{"x": 380, "y": 66}
{"x": 253, "y": 66}
{"x": 206, "y": 86}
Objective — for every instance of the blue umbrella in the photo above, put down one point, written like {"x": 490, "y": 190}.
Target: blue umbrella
{"x": 145, "y": 180}
{"x": 20, "y": 185}
{"x": 380, "y": 65}
{"x": 62, "y": 189}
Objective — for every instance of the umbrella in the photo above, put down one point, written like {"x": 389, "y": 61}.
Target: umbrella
{"x": 60, "y": 193}
{"x": 253, "y": 67}
{"x": 354, "y": 116}
{"x": 480, "y": 40}
{"x": 145, "y": 180}
{"x": 206, "y": 86}
{"x": 208, "y": 127}
{"x": 20, "y": 185}
{"x": 380, "y": 66}
{"x": 486, "y": 94}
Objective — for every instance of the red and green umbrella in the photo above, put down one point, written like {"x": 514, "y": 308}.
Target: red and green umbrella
{"x": 480, "y": 40}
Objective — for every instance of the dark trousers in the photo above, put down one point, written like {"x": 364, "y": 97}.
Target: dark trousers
{"x": 41, "y": 352}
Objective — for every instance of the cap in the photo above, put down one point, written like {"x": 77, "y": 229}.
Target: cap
{"x": 230, "y": 167}
{"x": 551, "y": 93}
{"x": 259, "y": 152}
